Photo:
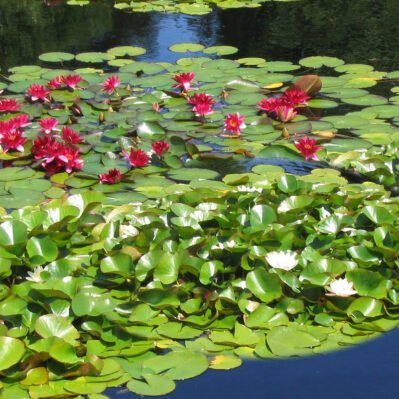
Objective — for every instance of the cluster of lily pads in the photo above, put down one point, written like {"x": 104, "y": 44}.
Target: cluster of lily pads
{"x": 153, "y": 235}
{"x": 191, "y": 7}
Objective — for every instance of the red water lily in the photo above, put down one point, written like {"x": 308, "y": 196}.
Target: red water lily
{"x": 56, "y": 82}
{"x": 112, "y": 177}
{"x": 111, "y": 84}
{"x": 284, "y": 107}
{"x": 202, "y": 104}
{"x": 37, "y": 92}
{"x": 20, "y": 121}
{"x": 160, "y": 147}
{"x": 56, "y": 156}
{"x": 234, "y": 123}
{"x": 308, "y": 148}
{"x": 48, "y": 125}
{"x": 285, "y": 113}
{"x": 70, "y": 136}
{"x": 295, "y": 97}
{"x": 137, "y": 158}
{"x": 13, "y": 140}
{"x": 5, "y": 127}
{"x": 269, "y": 104}
{"x": 183, "y": 80}
{"x": 70, "y": 159}
{"x": 9, "y": 105}
{"x": 71, "y": 80}
{"x": 46, "y": 147}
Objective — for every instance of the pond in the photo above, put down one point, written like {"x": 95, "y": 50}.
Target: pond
{"x": 355, "y": 31}
{"x": 183, "y": 194}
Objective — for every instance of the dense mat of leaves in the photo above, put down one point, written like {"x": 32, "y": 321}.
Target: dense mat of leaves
{"x": 63, "y": 130}
{"x": 155, "y": 235}
{"x": 149, "y": 293}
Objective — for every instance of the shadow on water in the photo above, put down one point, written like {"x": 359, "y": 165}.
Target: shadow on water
{"x": 368, "y": 371}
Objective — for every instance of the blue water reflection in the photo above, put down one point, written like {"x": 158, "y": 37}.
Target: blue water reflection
{"x": 368, "y": 371}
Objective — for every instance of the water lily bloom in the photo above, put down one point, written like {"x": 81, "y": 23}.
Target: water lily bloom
{"x": 308, "y": 148}
{"x": 70, "y": 160}
{"x": 202, "y": 104}
{"x": 71, "y": 81}
{"x": 9, "y": 105}
{"x": 113, "y": 176}
{"x": 70, "y": 137}
{"x": 5, "y": 127}
{"x": 295, "y": 97}
{"x": 37, "y": 92}
{"x": 126, "y": 231}
{"x": 269, "y": 104}
{"x": 48, "y": 125}
{"x": 56, "y": 156}
{"x": 35, "y": 276}
{"x": 202, "y": 109}
{"x": 183, "y": 80}
{"x": 285, "y": 113}
{"x": 56, "y": 82}
{"x": 201, "y": 98}
{"x": 285, "y": 260}
{"x": 13, "y": 140}
{"x": 234, "y": 123}
{"x": 160, "y": 147}
{"x": 45, "y": 147}
{"x": 111, "y": 84}
{"x": 341, "y": 287}
{"x": 137, "y": 158}
{"x": 20, "y": 121}
{"x": 247, "y": 189}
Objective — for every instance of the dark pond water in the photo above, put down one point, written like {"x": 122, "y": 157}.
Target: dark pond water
{"x": 368, "y": 371}
{"x": 359, "y": 31}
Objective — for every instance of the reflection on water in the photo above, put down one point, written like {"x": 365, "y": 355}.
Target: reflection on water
{"x": 367, "y": 371}
{"x": 359, "y": 31}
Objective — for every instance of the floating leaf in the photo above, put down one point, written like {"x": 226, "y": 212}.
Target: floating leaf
{"x": 11, "y": 351}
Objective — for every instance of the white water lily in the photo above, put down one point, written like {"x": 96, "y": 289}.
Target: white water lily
{"x": 126, "y": 231}
{"x": 341, "y": 287}
{"x": 247, "y": 189}
{"x": 223, "y": 245}
{"x": 35, "y": 276}
{"x": 285, "y": 260}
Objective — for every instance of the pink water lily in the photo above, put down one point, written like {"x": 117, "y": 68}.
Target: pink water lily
{"x": 202, "y": 104}
{"x": 56, "y": 82}
{"x": 70, "y": 159}
{"x": 9, "y": 105}
{"x": 284, "y": 108}
{"x": 295, "y": 97}
{"x": 113, "y": 176}
{"x": 48, "y": 125}
{"x": 20, "y": 121}
{"x": 269, "y": 104}
{"x": 37, "y": 92}
{"x": 160, "y": 147}
{"x": 71, "y": 80}
{"x": 137, "y": 158}
{"x": 234, "y": 123}
{"x": 308, "y": 148}
{"x": 111, "y": 84}
{"x": 183, "y": 80}
{"x": 13, "y": 140}
{"x": 285, "y": 113}
{"x": 70, "y": 136}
